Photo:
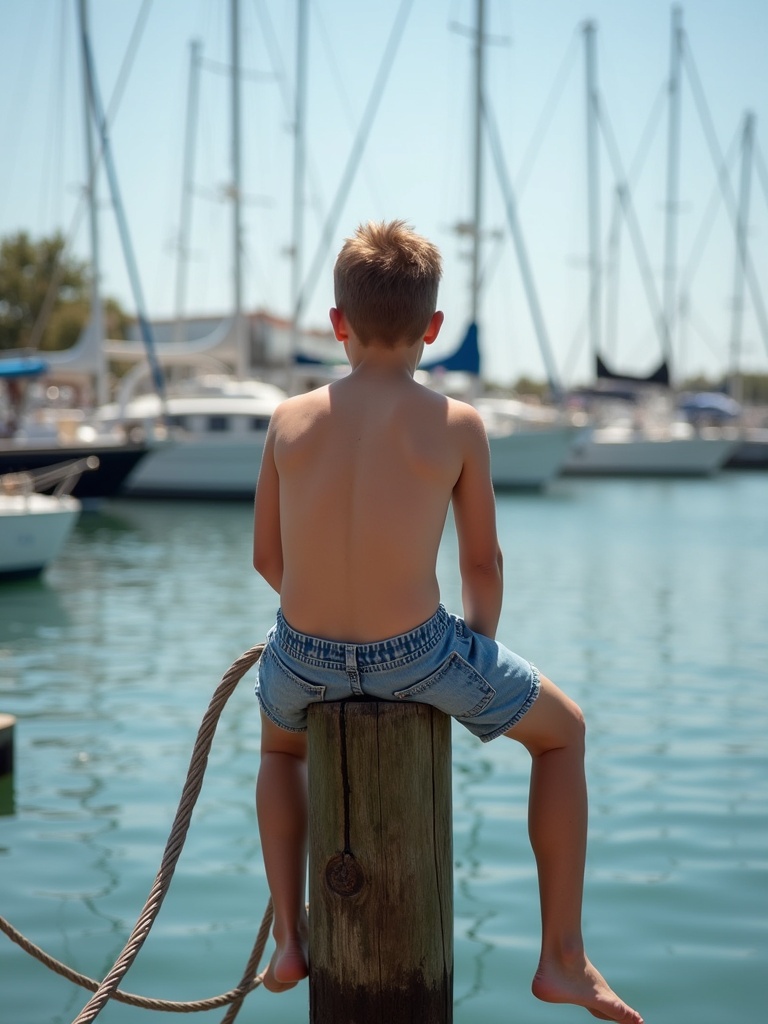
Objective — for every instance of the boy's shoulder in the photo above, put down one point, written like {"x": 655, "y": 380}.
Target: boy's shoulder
{"x": 462, "y": 415}
{"x": 297, "y": 405}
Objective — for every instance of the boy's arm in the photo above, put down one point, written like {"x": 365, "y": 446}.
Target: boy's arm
{"x": 267, "y": 541}
{"x": 474, "y": 509}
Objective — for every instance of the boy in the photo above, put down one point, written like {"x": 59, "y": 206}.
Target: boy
{"x": 355, "y": 484}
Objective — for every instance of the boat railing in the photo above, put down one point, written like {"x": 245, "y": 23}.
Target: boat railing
{"x": 62, "y": 477}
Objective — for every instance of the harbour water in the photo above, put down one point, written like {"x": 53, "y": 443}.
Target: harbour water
{"x": 646, "y": 600}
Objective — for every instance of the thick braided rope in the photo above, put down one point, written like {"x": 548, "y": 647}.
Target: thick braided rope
{"x": 173, "y": 848}
{"x": 234, "y": 996}
{"x": 108, "y": 988}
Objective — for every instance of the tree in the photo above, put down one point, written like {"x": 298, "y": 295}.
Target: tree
{"x": 29, "y": 269}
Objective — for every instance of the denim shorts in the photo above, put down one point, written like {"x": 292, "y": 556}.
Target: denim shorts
{"x": 443, "y": 662}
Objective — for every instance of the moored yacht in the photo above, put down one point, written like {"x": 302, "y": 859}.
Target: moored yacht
{"x": 217, "y": 434}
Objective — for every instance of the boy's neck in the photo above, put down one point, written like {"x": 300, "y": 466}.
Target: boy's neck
{"x": 383, "y": 360}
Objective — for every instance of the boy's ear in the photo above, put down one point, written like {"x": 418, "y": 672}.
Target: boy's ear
{"x": 434, "y": 327}
{"x": 339, "y": 324}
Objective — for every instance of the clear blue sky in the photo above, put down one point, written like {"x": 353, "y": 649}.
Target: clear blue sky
{"x": 417, "y": 161}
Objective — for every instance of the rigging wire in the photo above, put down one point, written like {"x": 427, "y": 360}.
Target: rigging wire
{"x": 50, "y": 196}
{"x": 312, "y": 177}
{"x": 545, "y": 118}
{"x": 522, "y": 255}
{"x": 97, "y": 112}
{"x": 81, "y": 206}
{"x": 762, "y": 169}
{"x": 728, "y": 194}
{"x": 633, "y": 226}
{"x": 702, "y": 235}
{"x": 366, "y": 123}
{"x": 325, "y": 38}
{"x": 613, "y": 242}
{"x": 493, "y": 258}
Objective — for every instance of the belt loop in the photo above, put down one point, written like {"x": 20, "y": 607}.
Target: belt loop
{"x": 350, "y": 655}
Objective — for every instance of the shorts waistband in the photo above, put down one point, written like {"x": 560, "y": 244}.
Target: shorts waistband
{"x": 331, "y": 653}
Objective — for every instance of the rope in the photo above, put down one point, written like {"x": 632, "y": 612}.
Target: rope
{"x": 248, "y": 984}
{"x": 108, "y": 988}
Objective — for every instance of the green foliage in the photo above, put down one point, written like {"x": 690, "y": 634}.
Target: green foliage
{"x": 754, "y": 388}
{"x": 535, "y": 388}
{"x": 29, "y": 268}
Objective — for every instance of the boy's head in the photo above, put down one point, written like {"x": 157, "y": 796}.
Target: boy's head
{"x": 385, "y": 281}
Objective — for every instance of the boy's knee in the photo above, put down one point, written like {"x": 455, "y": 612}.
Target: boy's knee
{"x": 577, "y": 721}
{"x": 571, "y": 723}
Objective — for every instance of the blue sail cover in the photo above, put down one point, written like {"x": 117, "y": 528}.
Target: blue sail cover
{"x": 302, "y": 359}
{"x": 466, "y": 358}
{"x": 22, "y": 366}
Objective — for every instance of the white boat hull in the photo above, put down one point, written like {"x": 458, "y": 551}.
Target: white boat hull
{"x": 202, "y": 466}
{"x": 33, "y": 530}
{"x": 530, "y": 458}
{"x": 604, "y": 453}
{"x": 216, "y": 441}
{"x": 228, "y": 467}
{"x": 751, "y": 451}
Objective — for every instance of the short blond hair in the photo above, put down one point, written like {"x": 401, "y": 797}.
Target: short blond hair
{"x": 386, "y": 279}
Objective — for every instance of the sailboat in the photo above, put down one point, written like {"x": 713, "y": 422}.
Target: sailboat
{"x": 39, "y": 434}
{"x": 637, "y": 431}
{"x": 216, "y": 414}
{"x": 529, "y": 445}
{"x": 34, "y": 523}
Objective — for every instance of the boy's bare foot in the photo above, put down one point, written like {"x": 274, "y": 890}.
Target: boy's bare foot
{"x": 581, "y": 984}
{"x": 287, "y": 967}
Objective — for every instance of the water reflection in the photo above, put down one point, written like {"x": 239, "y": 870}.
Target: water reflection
{"x": 471, "y": 915}
{"x": 30, "y": 609}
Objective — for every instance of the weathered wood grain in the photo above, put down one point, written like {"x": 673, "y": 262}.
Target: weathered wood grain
{"x": 380, "y": 864}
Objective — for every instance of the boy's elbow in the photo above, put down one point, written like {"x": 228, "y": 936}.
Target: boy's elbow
{"x": 494, "y": 565}
{"x": 268, "y": 564}
{"x": 488, "y": 568}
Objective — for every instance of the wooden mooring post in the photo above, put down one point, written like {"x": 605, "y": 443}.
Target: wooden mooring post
{"x": 380, "y": 864}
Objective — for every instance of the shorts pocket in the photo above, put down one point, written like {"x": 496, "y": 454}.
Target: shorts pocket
{"x": 456, "y": 689}
{"x": 283, "y": 692}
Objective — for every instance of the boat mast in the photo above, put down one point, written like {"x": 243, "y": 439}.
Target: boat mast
{"x": 673, "y": 176}
{"x": 477, "y": 171}
{"x": 742, "y": 220}
{"x": 96, "y": 325}
{"x": 299, "y": 169}
{"x": 593, "y": 192}
{"x": 241, "y": 336}
{"x": 99, "y": 116}
{"x": 195, "y": 49}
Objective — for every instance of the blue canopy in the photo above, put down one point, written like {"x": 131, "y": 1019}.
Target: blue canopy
{"x": 22, "y": 366}
{"x": 711, "y": 403}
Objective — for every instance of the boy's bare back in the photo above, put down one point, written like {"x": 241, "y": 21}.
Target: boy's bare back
{"x": 356, "y": 478}
{"x": 364, "y": 471}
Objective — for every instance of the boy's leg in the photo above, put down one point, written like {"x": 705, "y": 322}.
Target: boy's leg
{"x": 281, "y": 806}
{"x": 553, "y": 733}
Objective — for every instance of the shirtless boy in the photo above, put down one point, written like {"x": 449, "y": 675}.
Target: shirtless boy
{"x": 355, "y": 485}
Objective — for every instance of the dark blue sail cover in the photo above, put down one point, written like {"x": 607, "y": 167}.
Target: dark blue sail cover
{"x": 659, "y": 376}
{"x": 466, "y": 358}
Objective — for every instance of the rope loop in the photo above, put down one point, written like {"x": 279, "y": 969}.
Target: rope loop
{"x": 108, "y": 988}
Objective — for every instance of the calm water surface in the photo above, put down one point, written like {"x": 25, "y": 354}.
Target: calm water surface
{"x": 647, "y": 601}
